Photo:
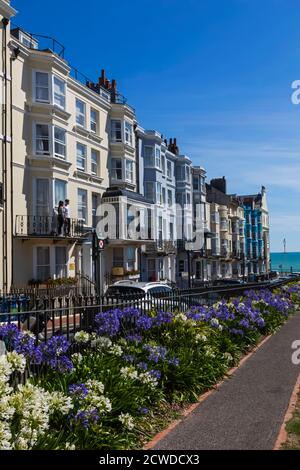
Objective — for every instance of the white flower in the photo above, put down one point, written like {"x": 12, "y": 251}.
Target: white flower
{"x": 82, "y": 337}
{"x": 148, "y": 379}
{"x": 77, "y": 357}
{"x": 116, "y": 350}
{"x": 69, "y": 446}
{"x": 60, "y": 402}
{"x": 129, "y": 373}
{"x": 214, "y": 322}
{"x": 181, "y": 317}
{"x": 17, "y": 361}
{"x": 200, "y": 337}
{"x": 100, "y": 342}
{"x": 5, "y": 436}
{"x": 127, "y": 420}
{"x": 95, "y": 386}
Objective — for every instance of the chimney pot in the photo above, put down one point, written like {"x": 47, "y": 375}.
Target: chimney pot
{"x": 107, "y": 83}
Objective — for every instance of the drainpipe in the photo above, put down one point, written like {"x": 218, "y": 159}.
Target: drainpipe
{"x": 5, "y": 23}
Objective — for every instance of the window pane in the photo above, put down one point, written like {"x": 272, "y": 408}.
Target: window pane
{"x": 80, "y": 113}
{"x": 42, "y": 197}
{"x": 60, "y": 262}
{"x": 42, "y": 86}
{"x": 82, "y": 204}
{"x": 60, "y": 191}
{"x": 116, "y": 168}
{"x": 116, "y": 133}
{"x": 60, "y": 142}
{"x": 128, "y": 132}
{"x": 43, "y": 263}
{"x": 94, "y": 162}
{"x": 118, "y": 257}
{"x": 80, "y": 156}
{"x": 59, "y": 92}
{"x": 42, "y": 139}
{"x": 129, "y": 170}
{"x": 94, "y": 120}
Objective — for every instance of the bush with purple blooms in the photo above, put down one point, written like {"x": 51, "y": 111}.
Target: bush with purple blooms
{"x": 134, "y": 362}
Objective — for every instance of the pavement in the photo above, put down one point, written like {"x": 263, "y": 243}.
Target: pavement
{"x": 246, "y": 412}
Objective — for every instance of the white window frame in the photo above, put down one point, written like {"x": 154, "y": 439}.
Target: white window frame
{"x": 129, "y": 171}
{"x": 94, "y": 123}
{"x": 56, "y": 77}
{"x": 86, "y": 204}
{"x": 95, "y": 171}
{"x": 157, "y": 156}
{"x": 55, "y": 203}
{"x": 38, "y": 152}
{"x": 159, "y": 197}
{"x": 35, "y": 260}
{"x": 79, "y": 167}
{"x": 80, "y": 114}
{"x": 34, "y": 87}
{"x": 128, "y": 132}
{"x": 64, "y": 144}
{"x": 114, "y": 169}
{"x": 169, "y": 169}
{"x": 114, "y": 130}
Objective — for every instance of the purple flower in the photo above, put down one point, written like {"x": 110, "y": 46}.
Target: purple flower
{"x": 144, "y": 322}
{"x": 128, "y": 358}
{"x": 142, "y": 365}
{"x": 78, "y": 391}
{"x": 143, "y": 411}
{"x": 174, "y": 361}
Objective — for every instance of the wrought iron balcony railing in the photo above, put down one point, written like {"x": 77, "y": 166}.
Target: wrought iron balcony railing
{"x": 162, "y": 246}
{"x": 28, "y": 226}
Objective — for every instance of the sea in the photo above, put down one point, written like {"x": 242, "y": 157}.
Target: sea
{"x": 285, "y": 262}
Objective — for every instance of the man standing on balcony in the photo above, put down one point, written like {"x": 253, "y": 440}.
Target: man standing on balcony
{"x": 67, "y": 217}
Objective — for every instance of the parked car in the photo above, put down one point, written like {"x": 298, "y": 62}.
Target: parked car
{"x": 144, "y": 295}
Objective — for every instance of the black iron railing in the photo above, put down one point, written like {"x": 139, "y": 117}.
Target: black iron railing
{"x": 162, "y": 246}
{"x": 38, "y": 42}
{"x": 48, "y": 315}
{"x": 48, "y": 226}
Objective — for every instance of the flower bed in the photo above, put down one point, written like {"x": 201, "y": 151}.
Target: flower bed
{"x": 108, "y": 394}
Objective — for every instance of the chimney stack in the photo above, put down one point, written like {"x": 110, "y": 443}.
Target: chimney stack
{"x": 107, "y": 84}
{"x": 102, "y": 78}
{"x": 114, "y": 84}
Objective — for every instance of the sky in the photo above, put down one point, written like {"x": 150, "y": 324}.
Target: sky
{"x": 216, "y": 75}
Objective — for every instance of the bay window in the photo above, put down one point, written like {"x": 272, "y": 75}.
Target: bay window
{"x": 82, "y": 204}
{"x": 149, "y": 156}
{"x": 129, "y": 171}
{"x": 149, "y": 191}
{"x": 80, "y": 156}
{"x": 116, "y": 132}
{"x": 59, "y": 142}
{"x": 116, "y": 169}
{"x": 42, "y": 139}
{"x": 59, "y": 92}
{"x": 42, "y": 88}
{"x": 80, "y": 113}
{"x": 128, "y": 132}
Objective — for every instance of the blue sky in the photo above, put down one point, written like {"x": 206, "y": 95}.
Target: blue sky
{"x": 215, "y": 74}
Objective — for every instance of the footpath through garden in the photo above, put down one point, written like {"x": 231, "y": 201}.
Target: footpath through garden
{"x": 247, "y": 410}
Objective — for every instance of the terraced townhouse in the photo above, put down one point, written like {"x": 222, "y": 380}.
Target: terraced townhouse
{"x": 65, "y": 137}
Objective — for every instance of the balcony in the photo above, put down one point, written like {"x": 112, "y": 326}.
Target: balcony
{"x": 33, "y": 226}
{"x": 163, "y": 247}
